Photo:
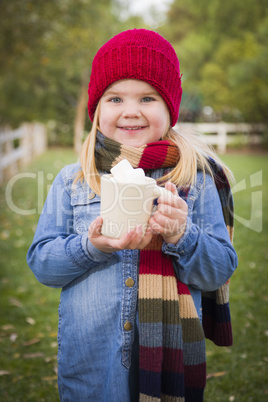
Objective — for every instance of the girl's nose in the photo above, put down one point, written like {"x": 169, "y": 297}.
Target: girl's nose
{"x": 131, "y": 111}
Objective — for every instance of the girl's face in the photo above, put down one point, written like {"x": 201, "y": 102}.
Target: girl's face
{"x": 133, "y": 113}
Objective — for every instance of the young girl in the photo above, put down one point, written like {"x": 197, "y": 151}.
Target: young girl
{"x": 131, "y": 308}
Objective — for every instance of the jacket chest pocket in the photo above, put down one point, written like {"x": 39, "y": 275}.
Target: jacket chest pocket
{"x": 86, "y": 208}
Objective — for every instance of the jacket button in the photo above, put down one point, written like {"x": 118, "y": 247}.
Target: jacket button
{"x": 129, "y": 282}
{"x": 127, "y": 326}
{"x": 91, "y": 195}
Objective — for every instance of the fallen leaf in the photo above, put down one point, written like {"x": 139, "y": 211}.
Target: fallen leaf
{"x": 42, "y": 301}
{"x": 4, "y": 372}
{"x": 40, "y": 335}
{"x": 30, "y": 321}
{"x": 49, "y": 378}
{"x": 218, "y": 374}
{"x": 7, "y": 327}
{"x": 50, "y": 359}
{"x": 18, "y": 378}
{"x": 7, "y": 225}
{"x": 13, "y": 337}
{"x": 32, "y": 355}
{"x": 32, "y": 342}
{"x": 15, "y": 302}
{"x": 4, "y": 334}
{"x": 21, "y": 289}
{"x": 4, "y": 235}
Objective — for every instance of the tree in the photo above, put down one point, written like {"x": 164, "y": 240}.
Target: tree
{"x": 46, "y": 49}
{"x": 222, "y": 48}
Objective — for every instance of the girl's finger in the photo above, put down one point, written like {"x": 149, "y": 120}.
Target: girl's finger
{"x": 158, "y": 227}
{"x": 121, "y": 244}
{"x": 173, "y": 201}
{"x": 171, "y": 211}
{"x": 94, "y": 229}
{"x": 173, "y": 198}
{"x": 136, "y": 238}
{"x": 146, "y": 238}
{"x": 171, "y": 187}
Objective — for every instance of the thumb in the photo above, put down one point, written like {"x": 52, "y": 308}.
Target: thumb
{"x": 171, "y": 187}
{"x": 94, "y": 229}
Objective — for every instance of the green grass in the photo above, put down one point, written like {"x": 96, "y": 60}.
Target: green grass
{"x": 245, "y": 363}
{"x": 29, "y": 319}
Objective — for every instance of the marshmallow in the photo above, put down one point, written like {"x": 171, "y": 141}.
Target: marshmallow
{"x": 120, "y": 170}
{"x": 123, "y": 171}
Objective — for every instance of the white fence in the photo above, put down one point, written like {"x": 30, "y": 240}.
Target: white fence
{"x": 19, "y": 147}
{"x": 219, "y": 133}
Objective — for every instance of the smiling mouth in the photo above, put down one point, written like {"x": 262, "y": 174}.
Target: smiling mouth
{"x": 132, "y": 128}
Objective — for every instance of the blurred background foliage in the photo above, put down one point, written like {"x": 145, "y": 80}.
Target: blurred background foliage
{"x": 46, "y": 50}
{"x": 222, "y": 47}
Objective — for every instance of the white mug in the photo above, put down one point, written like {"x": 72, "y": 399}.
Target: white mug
{"x": 126, "y": 205}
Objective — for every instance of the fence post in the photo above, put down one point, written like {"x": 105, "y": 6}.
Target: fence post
{"x": 31, "y": 140}
{"x": 39, "y": 139}
{"x": 26, "y": 143}
{"x": 12, "y": 168}
{"x": 222, "y": 133}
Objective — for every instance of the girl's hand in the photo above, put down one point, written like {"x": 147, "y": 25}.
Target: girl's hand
{"x": 132, "y": 240}
{"x": 170, "y": 218}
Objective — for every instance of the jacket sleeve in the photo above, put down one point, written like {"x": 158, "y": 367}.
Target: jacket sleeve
{"x": 204, "y": 257}
{"x": 58, "y": 255}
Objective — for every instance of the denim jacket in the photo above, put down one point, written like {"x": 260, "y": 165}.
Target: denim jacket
{"x": 98, "y": 355}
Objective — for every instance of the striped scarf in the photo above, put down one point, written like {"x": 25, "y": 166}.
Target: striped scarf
{"x": 172, "y": 357}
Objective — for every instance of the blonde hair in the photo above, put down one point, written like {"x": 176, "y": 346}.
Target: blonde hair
{"x": 194, "y": 153}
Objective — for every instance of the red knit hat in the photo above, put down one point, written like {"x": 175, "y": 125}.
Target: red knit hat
{"x": 139, "y": 54}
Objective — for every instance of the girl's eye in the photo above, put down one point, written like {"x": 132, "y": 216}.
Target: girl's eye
{"x": 147, "y": 99}
{"x": 116, "y": 100}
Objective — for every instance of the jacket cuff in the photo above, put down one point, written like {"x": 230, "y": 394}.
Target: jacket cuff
{"x": 81, "y": 251}
{"x": 186, "y": 244}
{"x": 92, "y": 252}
